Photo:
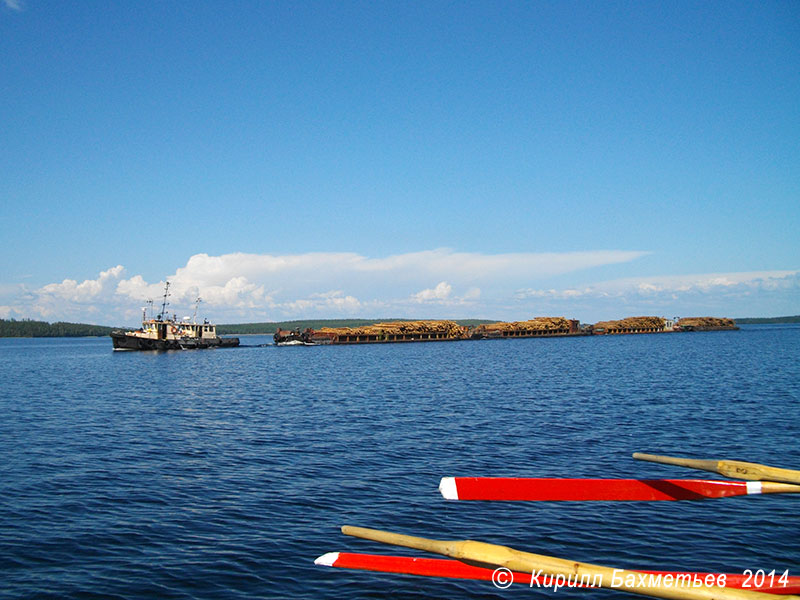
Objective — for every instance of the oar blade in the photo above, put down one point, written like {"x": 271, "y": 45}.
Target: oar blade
{"x": 529, "y": 489}
{"x": 453, "y": 569}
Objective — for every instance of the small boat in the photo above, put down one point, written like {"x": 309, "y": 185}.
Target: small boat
{"x": 293, "y": 337}
{"x": 168, "y": 333}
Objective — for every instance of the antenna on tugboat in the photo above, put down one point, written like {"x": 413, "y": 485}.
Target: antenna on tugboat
{"x": 148, "y": 303}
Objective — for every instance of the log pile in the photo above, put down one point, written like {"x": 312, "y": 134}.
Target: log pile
{"x": 450, "y": 329}
{"x": 632, "y": 323}
{"x": 706, "y": 323}
{"x": 537, "y": 324}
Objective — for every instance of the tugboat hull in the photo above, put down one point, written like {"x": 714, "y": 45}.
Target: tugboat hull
{"x": 123, "y": 342}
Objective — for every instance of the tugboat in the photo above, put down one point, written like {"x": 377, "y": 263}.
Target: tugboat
{"x": 165, "y": 333}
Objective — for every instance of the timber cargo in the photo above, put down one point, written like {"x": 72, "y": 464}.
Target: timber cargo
{"x": 631, "y": 325}
{"x": 705, "y": 324}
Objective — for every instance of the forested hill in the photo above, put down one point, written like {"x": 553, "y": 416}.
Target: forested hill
{"x": 28, "y": 328}
{"x": 768, "y": 320}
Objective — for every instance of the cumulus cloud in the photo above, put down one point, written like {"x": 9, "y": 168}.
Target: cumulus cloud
{"x": 441, "y": 292}
{"x": 88, "y": 290}
{"x": 442, "y": 295}
{"x": 241, "y": 287}
{"x": 71, "y": 297}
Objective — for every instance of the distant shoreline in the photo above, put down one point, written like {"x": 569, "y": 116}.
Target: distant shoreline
{"x": 26, "y": 328}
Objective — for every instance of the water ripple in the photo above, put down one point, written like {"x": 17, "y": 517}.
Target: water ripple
{"x": 217, "y": 474}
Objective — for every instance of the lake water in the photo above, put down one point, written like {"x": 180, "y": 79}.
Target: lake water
{"x": 224, "y": 473}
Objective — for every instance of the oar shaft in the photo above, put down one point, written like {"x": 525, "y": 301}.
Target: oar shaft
{"x": 735, "y": 469}
{"x": 491, "y": 555}
{"x": 692, "y": 463}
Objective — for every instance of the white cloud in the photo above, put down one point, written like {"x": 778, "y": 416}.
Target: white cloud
{"x": 442, "y": 295}
{"x": 13, "y": 4}
{"x": 90, "y": 289}
{"x": 71, "y": 297}
{"x": 711, "y": 283}
{"x": 333, "y": 302}
{"x": 762, "y": 293}
{"x": 442, "y": 291}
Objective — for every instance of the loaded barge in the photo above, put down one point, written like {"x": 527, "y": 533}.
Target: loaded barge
{"x": 428, "y": 331}
{"x": 396, "y": 331}
{"x": 433, "y": 331}
{"x": 168, "y": 333}
{"x": 538, "y": 327}
{"x": 662, "y": 325}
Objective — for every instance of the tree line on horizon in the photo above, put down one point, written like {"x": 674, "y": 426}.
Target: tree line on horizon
{"x": 31, "y": 328}
{"x": 767, "y": 320}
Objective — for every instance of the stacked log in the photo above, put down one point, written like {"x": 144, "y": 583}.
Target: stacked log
{"x": 631, "y": 325}
{"x": 705, "y": 323}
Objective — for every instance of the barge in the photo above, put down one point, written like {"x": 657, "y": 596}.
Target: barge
{"x": 705, "y": 324}
{"x": 168, "y": 333}
{"x": 433, "y": 331}
{"x": 428, "y": 331}
{"x": 538, "y": 327}
{"x": 633, "y": 325}
{"x": 395, "y": 331}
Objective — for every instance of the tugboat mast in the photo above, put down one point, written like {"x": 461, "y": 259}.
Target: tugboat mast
{"x": 196, "y": 306}
{"x": 164, "y": 303}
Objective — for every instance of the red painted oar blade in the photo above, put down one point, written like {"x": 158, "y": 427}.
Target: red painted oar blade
{"x": 453, "y": 569}
{"x": 530, "y": 489}
{"x": 426, "y": 567}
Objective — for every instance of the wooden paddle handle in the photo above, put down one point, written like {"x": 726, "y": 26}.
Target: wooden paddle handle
{"x": 493, "y": 556}
{"x": 735, "y": 469}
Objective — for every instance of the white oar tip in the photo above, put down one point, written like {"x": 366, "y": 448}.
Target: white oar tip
{"x": 327, "y": 560}
{"x": 447, "y": 486}
{"x": 753, "y": 487}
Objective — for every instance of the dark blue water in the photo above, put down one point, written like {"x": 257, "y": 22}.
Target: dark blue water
{"x": 224, "y": 473}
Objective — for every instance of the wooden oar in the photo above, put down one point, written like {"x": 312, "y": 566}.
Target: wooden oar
{"x": 539, "y": 489}
{"x": 493, "y": 556}
{"x": 734, "y": 469}
{"x": 454, "y": 569}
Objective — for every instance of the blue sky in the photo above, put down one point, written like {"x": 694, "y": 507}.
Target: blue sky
{"x": 422, "y": 159}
